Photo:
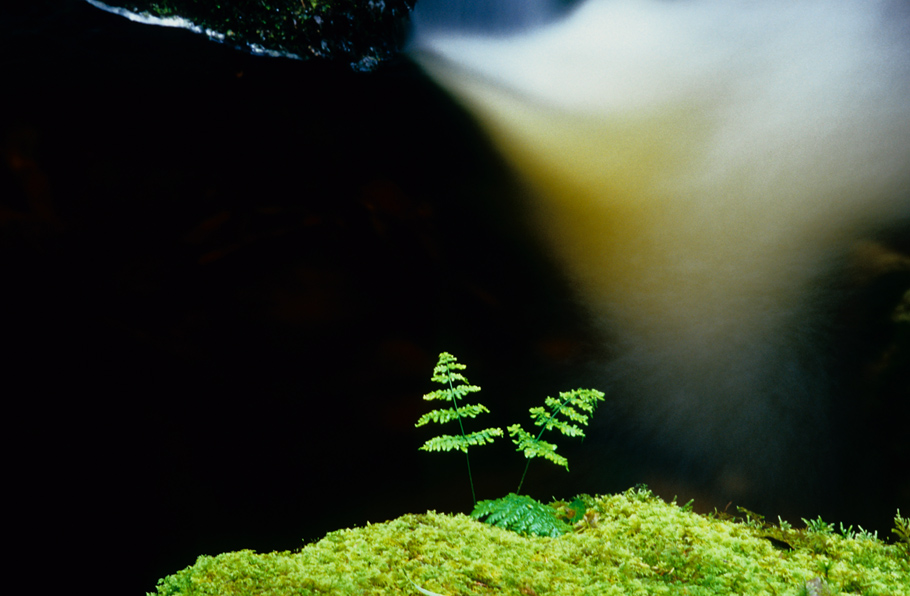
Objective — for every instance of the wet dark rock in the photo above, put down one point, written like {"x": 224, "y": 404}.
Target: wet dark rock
{"x": 362, "y": 33}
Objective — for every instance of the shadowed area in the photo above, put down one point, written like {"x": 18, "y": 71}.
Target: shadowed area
{"x": 225, "y": 283}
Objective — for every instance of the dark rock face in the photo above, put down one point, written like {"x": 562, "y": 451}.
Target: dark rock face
{"x": 360, "y": 33}
{"x": 225, "y": 280}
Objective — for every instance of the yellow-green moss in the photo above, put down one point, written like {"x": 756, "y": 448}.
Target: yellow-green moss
{"x": 631, "y": 543}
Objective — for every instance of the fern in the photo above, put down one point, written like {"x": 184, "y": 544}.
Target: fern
{"x": 462, "y": 442}
{"x": 577, "y": 405}
{"x": 456, "y": 387}
{"x": 521, "y": 514}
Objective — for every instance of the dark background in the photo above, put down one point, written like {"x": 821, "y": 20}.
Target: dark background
{"x": 224, "y": 282}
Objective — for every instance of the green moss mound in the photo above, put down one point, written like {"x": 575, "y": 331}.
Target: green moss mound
{"x": 631, "y": 543}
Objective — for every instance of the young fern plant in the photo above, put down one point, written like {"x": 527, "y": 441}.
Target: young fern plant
{"x": 514, "y": 512}
{"x": 521, "y": 513}
{"x": 455, "y": 388}
{"x": 577, "y": 405}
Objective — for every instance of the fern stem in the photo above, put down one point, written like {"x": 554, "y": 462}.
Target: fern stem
{"x": 470, "y": 478}
{"x": 540, "y": 434}
{"x": 461, "y": 427}
{"x": 523, "y": 474}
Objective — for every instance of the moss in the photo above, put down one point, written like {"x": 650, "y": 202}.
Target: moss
{"x": 631, "y": 543}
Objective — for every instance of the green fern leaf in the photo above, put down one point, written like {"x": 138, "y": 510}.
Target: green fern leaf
{"x": 534, "y": 447}
{"x": 549, "y": 421}
{"x": 521, "y": 514}
{"x": 456, "y": 387}
{"x": 445, "y": 372}
{"x": 568, "y": 405}
{"x": 459, "y": 391}
{"x": 462, "y": 442}
{"x": 448, "y": 414}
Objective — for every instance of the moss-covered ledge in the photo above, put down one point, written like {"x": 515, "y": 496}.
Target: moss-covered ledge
{"x": 631, "y": 543}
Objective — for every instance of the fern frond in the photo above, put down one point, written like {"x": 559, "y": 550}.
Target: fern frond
{"x": 548, "y": 421}
{"x": 462, "y": 442}
{"x": 456, "y": 387}
{"x": 445, "y": 372}
{"x": 459, "y": 391}
{"x": 521, "y": 514}
{"x": 568, "y": 404}
{"x": 444, "y": 415}
{"x": 534, "y": 447}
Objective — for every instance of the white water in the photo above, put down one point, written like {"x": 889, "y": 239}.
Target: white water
{"x": 438, "y": 16}
{"x": 706, "y": 171}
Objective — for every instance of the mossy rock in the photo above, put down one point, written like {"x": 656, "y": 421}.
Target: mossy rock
{"x": 631, "y": 543}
